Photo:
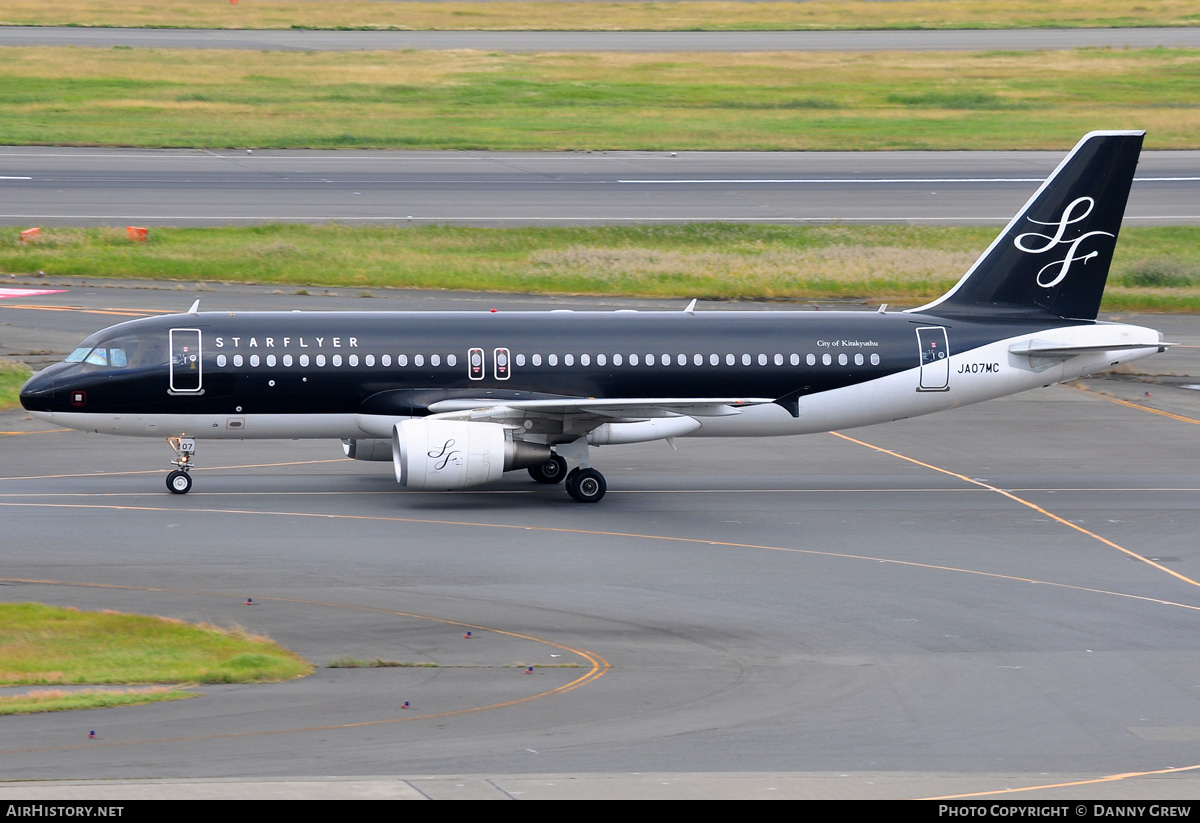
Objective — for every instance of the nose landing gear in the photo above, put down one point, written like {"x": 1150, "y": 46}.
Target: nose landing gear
{"x": 180, "y": 480}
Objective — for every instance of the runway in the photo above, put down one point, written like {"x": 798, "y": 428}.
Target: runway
{"x": 998, "y": 598}
{"x": 629, "y": 41}
{"x": 90, "y": 187}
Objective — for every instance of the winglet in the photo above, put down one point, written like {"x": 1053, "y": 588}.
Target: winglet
{"x": 691, "y": 307}
{"x": 195, "y": 307}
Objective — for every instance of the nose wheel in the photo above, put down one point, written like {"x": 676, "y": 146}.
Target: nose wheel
{"x": 180, "y": 480}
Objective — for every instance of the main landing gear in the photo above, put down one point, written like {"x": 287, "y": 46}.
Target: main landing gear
{"x": 551, "y": 472}
{"x": 584, "y": 484}
{"x": 180, "y": 480}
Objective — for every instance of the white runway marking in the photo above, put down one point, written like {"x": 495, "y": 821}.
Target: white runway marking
{"x": 27, "y": 292}
{"x": 887, "y": 180}
{"x": 416, "y": 218}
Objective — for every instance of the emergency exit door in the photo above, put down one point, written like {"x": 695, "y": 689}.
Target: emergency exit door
{"x": 935, "y": 359}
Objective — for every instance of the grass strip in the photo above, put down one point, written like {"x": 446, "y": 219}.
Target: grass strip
{"x": 1155, "y": 268}
{"x": 594, "y": 101}
{"x": 376, "y": 663}
{"x": 652, "y": 16}
{"x": 12, "y": 377}
{"x": 58, "y": 700}
{"x": 42, "y": 644}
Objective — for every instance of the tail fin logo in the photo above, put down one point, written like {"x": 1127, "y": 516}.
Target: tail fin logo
{"x": 1076, "y": 211}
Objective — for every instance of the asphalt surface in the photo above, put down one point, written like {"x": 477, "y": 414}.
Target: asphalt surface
{"x": 88, "y": 187}
{"x": 787, "y": 618}
{"x": 635, "y": 41}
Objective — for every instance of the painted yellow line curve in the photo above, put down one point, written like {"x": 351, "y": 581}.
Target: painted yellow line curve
{"x": 599, "y": 667}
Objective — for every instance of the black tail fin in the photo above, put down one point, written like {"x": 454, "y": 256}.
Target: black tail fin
{"x": 1053, "y": 257}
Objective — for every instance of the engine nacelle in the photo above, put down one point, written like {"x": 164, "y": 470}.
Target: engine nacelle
{"x": 455, "y": 454}
{"x": 377, "y": 450}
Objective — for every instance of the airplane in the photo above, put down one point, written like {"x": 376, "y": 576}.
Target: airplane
{"x": 456, "y": 399}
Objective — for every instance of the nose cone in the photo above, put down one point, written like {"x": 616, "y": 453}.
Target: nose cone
{"x": 37, "y": 394}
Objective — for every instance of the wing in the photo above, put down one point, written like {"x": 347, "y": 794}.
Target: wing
{"x": 620, "y": 409}
{"x": 608, "y": 421}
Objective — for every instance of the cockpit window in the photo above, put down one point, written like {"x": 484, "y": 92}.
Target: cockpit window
{"x": 99, "y": 356}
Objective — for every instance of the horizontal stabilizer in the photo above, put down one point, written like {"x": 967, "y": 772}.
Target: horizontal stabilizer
{"x": 1050, "y": 349}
